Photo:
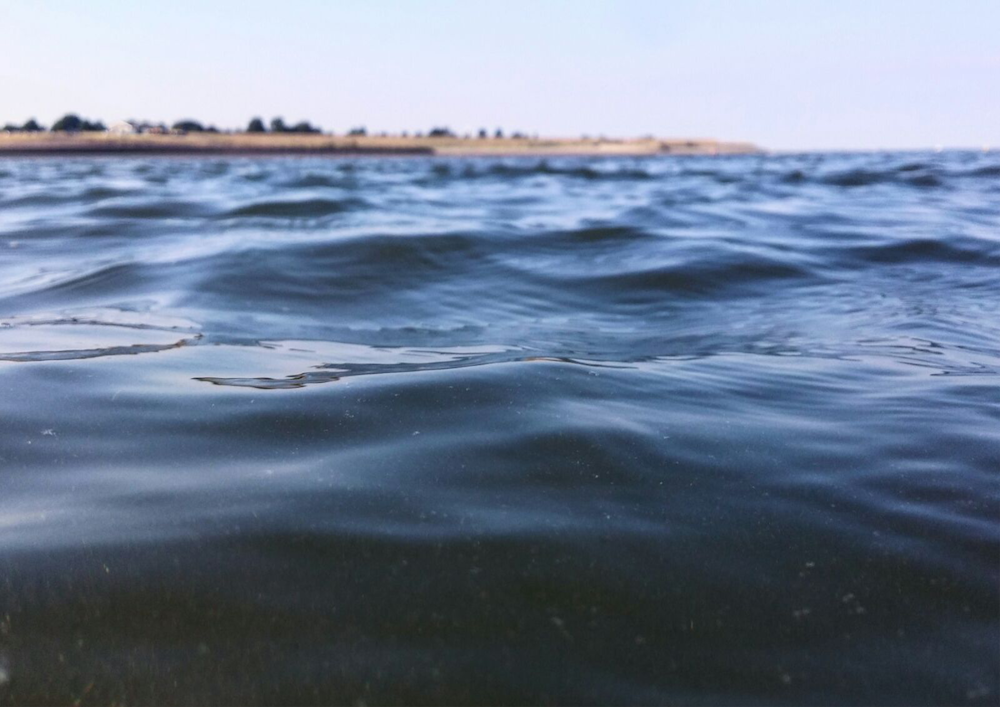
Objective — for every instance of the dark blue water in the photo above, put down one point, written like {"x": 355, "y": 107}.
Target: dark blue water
{"x": 695, "y": 430}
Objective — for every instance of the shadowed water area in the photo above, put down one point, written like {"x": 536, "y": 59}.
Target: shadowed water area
{"x": 696, "y": 430}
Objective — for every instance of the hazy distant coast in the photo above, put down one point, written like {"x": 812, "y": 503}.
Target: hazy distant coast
{"x": 97, "y": 143}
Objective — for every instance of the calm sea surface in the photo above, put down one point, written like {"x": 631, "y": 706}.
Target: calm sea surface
{"x": 696, "y": 430}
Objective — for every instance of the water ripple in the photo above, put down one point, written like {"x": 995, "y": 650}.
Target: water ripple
{"x": 619, "y": 430}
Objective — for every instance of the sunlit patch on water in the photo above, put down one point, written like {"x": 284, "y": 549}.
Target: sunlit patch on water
{"x": 39, "y": 338}
{"x": 341, "y": 361}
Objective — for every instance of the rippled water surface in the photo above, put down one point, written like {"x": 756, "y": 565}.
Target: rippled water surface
{"x": 697, "y": 430}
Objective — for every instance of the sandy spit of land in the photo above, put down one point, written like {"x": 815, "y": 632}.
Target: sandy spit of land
{"x": 242, "y": 143}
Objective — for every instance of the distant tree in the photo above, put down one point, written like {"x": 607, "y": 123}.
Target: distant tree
{"x": 518, "y": 135}
{"x": 304, "y": 127}
{"x": 256, "y": 126}
{"x": 358, "y": 132}
{"x": 32, "y": 126}
{"x": 92, "y": 127}
{"x": 440, "y": 132}
{"x": 68, "y": 123}
{"x": 188, "y": 126}
{"x": 482, "y": 133}
{"x": 11, "y": 128}
{"x": 278, "y": 126}
{"x": 498, "y": 134}
{"x": 211, "y": 129}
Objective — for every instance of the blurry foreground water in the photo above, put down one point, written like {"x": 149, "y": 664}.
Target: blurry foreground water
{"x": 696, "y": 430}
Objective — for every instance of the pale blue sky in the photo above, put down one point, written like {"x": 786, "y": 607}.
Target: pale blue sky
{"x": 785, "y": 74}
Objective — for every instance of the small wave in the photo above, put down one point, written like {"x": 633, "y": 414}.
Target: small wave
{"x": 89, "y": 195}
{"x": 256, "y": 176}
{"x": 304, "y": 209}
{"x": 77, "y": 354}
{"x": 39, "y": 199}
{"x": 581, "y": 172}
{"x": 717, "y": 175}
{"x": 694, "y": 278}
{"x": 796, "y": 176}
{"x": 924, "y": 180}
{"x": 31, "y": 340}
{"x": 865, "y": 177}
{"x": 118, "y": 276}
{"x": 101, "y": 193}
{"x": 913, "y": 167}
{"x": 606, "y": 234}
{"x": 384, "y": 253}
{"x": 504, "y": 170}
{"x": 854, "y": 178}
{"x": 439, "y": 361}
{"x": 924, "y": 250}
{"x": 153, "y": 211}
{"x": 314, "y": 181}
{"x": 124, "y": 322}
{"x": 988, "y": 171}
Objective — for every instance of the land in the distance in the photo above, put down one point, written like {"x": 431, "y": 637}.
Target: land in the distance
{"x": 100, "y": 143}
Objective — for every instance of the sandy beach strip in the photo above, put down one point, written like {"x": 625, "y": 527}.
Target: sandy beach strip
{"x": 291, "y": 144}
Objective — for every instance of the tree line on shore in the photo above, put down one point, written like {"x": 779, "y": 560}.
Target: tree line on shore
{"x": 73, "y": 123}
{"x": 68, "y": 123}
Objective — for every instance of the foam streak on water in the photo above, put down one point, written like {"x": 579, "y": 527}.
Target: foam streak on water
{"x": 697, "y": 430}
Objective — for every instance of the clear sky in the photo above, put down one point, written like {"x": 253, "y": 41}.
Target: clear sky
{"x": 786, "y": 74}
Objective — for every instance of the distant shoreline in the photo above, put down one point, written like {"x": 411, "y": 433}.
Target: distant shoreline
{"x": 58, "y": 144}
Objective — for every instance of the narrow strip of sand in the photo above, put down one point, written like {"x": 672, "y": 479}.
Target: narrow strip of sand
{"x": 282, "y": 144}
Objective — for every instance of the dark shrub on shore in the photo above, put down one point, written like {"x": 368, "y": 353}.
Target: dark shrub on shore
{"x": 188, "y": 126}
{"x": 73, "y": 123}
{"x": 69, "y": 123}
{"x": 278, "y": 126}
{"x": 256, "y": 126}
{"x": 31, "y": 126}
{"x": 304, "y": 127}
{"x": 498, "y": 134}
{"x": 358, "y": 132}
{"x": 440, "y": 132}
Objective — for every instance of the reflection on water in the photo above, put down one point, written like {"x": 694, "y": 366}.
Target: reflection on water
{"x": 713, "y": 430}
